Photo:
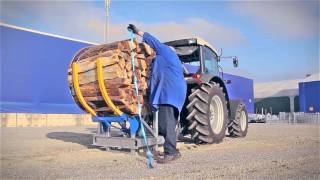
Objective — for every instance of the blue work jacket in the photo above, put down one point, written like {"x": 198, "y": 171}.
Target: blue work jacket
{"x": 166, "y": 84}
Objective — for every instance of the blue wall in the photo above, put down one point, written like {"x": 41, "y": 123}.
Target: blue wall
{"x": 34, "y": 71}
{"x": 34, "y": 74}
{"x": 241, "y": 88}
{"x": 309, "y": 96}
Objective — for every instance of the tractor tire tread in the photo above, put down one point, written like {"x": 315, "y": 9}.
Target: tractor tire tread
{"x": 234, "y": 128}
{"x": 198, "y": 108}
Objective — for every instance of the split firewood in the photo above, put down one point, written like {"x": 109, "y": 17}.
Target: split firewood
{"x": 117, "y": 73}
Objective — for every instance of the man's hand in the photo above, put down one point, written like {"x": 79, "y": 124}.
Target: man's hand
{"x": 133, "y": 28}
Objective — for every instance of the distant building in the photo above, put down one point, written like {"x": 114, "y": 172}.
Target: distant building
{"x": 298, "y": 95}
{"x": 309, "y": 96}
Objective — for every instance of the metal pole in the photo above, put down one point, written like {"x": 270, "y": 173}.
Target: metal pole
{"x": 106, "y": 30}
{"x": 291, "y": 98}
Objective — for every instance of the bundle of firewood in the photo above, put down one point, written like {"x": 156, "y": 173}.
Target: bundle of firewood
{"x": 118, "y": 75}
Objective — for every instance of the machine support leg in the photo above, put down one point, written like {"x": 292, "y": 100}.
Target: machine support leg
{"x": 148, "y": 128}
{"x": 133, "y": 151}
{"x": 108, "y": 131}
{"x": 156, "y": 128}
{"x": 110, "y": 138}
{"x": 108, "y": 135}
{"x": 100, "y": 128}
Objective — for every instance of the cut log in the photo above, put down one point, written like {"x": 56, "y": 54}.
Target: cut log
{"x": 125, "y": 109}
{"x": 107, "y": 61}
{"x": 146, "y": 48}
{"x": 95, "y": 50}
{"x": 140, "y": 56}
{"x": 130, "y": 74}
{"x": 117, "y": 100}
{"x": 144, "y": 74}
{"x": 112, "y": 83}
{"x": 121, "y": 92}
{"x": 109, "y": 72}
{"x": 129, "y": 65}
{"x": 127, "y": 44}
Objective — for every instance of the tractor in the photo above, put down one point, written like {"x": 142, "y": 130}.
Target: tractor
{"x": 208, "y": 114}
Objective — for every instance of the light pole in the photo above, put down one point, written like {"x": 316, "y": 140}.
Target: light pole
{"x": 106, "y": 28}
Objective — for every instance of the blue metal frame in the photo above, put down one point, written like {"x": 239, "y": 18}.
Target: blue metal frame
{"x": 106, "y": 122}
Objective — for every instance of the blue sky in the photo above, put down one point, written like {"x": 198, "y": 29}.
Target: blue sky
{"x": 274, "y": 40}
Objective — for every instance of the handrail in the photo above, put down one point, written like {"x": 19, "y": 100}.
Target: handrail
{"x": 103, "y": 89}
{"x": 75, "y": 77}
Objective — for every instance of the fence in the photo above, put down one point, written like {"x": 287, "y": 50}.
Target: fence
{"x": 299, "y": 117}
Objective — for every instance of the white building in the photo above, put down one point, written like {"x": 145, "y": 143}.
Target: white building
{"x": 277, "y": 96}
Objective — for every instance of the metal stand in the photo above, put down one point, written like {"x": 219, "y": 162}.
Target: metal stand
{"x": 109, "y": 136}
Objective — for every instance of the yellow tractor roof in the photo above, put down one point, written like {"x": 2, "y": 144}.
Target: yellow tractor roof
{"x": 192, "y": 41}
{"x": 202, "y": 42}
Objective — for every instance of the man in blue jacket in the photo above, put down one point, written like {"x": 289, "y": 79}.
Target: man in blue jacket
{"x": 167, "y": 91}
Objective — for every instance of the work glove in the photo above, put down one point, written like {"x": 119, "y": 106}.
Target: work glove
{"x": 133, "y": 28}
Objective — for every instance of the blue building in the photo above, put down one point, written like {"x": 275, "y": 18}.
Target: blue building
{"x": 309, "y": 96}
{"x": 34, "y": 69}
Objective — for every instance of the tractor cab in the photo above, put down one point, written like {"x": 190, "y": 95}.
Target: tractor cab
{"x": 197, "y": 56}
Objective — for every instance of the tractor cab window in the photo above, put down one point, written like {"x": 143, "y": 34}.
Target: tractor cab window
{"x": 211, "y": 61}
{"x": 189, "y": 57}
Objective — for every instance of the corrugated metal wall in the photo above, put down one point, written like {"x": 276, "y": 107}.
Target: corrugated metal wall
{"x": 34, "y": 71}
{"x": 309, "y": 93}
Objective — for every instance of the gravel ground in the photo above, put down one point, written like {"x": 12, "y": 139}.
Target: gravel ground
{"x": 270, "y": 151}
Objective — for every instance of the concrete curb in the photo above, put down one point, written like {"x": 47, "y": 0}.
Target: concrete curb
{"x": 44, "y": 120}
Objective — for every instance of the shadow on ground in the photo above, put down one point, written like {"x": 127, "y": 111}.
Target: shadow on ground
{"x": 80, "y": 138}
{"x": 86, "y": 140}
{"x": 72, "y": 137}
{"x": 93, "y": 130}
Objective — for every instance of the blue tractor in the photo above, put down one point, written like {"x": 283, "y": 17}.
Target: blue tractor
{"x": 208, "y": 114}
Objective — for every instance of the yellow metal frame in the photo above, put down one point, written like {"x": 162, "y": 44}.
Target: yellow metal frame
{"x": 103, "y": 88}
{"x": 75, "y": 76}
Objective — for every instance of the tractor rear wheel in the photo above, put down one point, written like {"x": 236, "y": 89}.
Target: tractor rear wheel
{"x": 207, "y": 113}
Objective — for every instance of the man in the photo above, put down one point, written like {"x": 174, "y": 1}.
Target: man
{"x": 167, "y": 92}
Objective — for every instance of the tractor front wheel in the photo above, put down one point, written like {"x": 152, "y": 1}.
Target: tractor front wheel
{"x": 238, "y": 126}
